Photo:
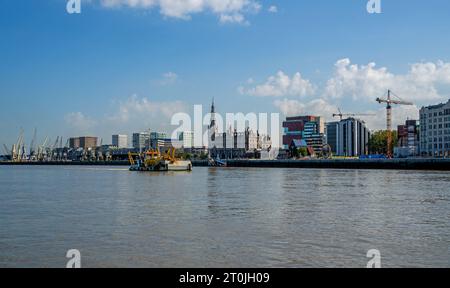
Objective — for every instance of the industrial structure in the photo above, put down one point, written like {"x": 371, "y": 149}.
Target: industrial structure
{"x": 435, "y": 130}
{"x": 389, "y": 103}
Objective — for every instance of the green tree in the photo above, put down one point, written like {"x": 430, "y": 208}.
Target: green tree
{"x": 303, "y": 151}
{"x": 378, "y": 142}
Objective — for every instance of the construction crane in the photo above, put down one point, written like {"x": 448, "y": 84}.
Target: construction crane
{"x": 32, "y": 144}
{"x": 389, "y": 102}
{"x": 341, "y": 115}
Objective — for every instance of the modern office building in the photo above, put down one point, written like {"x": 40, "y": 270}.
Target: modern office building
{"x": 187, "y": 139}
{"x": 348, "y": 137}
{"x": 141, "y": 140}
{"x": 408, "y": 139}
{"x": 308, "y": 128}
{"x": 434, "y": 132}
{"x": 157, "y": 139}
{"x": 120, "y": 141}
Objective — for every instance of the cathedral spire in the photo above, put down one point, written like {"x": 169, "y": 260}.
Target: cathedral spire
{"x": 213, "y": 108}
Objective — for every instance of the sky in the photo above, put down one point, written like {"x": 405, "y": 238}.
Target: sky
{"x": 123, "y": 66}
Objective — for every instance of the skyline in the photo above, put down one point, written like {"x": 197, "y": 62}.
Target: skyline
{"x": 117, "y": 69}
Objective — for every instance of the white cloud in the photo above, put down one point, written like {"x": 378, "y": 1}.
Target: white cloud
{"x": 135, "y": 114}
{"x": 79, "y": 122}
{"x": 281, "y": 85}
{"x": 273, "y": 9}
{"x": 367, "y": 82}
{"x": 319, "y": 107}
{"x": 226, "y": 10}
{"x": 144, "y": 110}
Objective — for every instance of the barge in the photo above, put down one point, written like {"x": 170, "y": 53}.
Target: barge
{"x": 154, "y": 161}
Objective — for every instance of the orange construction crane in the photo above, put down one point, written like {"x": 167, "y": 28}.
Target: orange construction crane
{"x": 389, "y": 102}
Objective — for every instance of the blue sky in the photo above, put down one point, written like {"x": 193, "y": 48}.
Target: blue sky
{"x": 88, "y": 73}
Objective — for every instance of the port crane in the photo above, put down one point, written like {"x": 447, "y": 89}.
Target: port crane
{"x": 389, "y": 101}
{"x": 342, "y": 115}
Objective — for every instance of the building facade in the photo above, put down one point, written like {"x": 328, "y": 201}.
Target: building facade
{"x": 348, "y": 137}
{"x": 435, "y": 130}
{"x": 157, "y": 140}
{"x": 308, "y": 128}
{"x": 88, "y": 142}
{"x": 408, "y": 139}
{"x": 141, "y": 141}
{"x": 120, "y": 141}
{"x": 74, "y": 142}
{"x": 85, "y": 142}
{"x": 187, "y": 139}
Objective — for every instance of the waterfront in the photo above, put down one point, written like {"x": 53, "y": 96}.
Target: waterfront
{"x": 223, "y": 217}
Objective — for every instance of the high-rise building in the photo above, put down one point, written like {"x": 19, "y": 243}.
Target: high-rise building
{"x": 348, "y": 137}
{"x": 120, "y": 141}
{"x": 187, "y": 139}
{"x": 141, "y": 140}
{"x": 308, "y": 128}
{"x": 435, "y": 130}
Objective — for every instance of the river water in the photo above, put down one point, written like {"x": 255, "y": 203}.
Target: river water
{"x": 223, "y": 217}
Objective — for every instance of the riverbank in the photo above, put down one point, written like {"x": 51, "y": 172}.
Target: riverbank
{"x": 397, "y": 164}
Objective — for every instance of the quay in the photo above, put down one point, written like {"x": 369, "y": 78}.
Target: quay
{"x": 381, "y": 164}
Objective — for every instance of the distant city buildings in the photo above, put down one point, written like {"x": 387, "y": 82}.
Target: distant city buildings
{"x": 158, "y": 140}
{"x": 308, "y": 128}
{"x": 233, "y": 143}
{"x": 85, "y": 142}
{"x": 435, "y": 130}
{"x": 408, "y": 139}
{"x": 186, "y": 138}
{"x": 348, "y": 137}
{"x": 141, "y": 140}
{"x": 120, "y": 141}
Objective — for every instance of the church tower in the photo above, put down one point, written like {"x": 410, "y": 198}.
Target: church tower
{"x": 212, "y": 126}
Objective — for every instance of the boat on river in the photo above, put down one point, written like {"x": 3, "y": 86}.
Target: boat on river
{"x": 154, "y": 161}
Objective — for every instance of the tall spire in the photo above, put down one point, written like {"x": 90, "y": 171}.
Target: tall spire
{"x": 213, "y": 109}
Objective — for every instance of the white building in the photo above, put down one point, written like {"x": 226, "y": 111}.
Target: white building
{"x": 120, "y": 141}
{"x": 435, "y": 130}
{"x": 187, "y": 139}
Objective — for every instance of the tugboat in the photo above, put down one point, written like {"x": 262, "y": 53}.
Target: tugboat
{"x": 152, "y": 160}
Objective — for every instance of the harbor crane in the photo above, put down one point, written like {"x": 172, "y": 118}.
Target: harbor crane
{"x": 341, "y": 115}
{"x": 389, "y": 102}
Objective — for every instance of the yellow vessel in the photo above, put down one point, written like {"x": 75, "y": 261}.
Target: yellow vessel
{"x": 153, "y": 160}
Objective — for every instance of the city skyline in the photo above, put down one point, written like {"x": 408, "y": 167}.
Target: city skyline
{"x": 119, "y": 69}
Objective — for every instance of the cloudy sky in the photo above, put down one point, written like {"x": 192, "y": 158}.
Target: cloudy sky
{"x": 128, "y": 65}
